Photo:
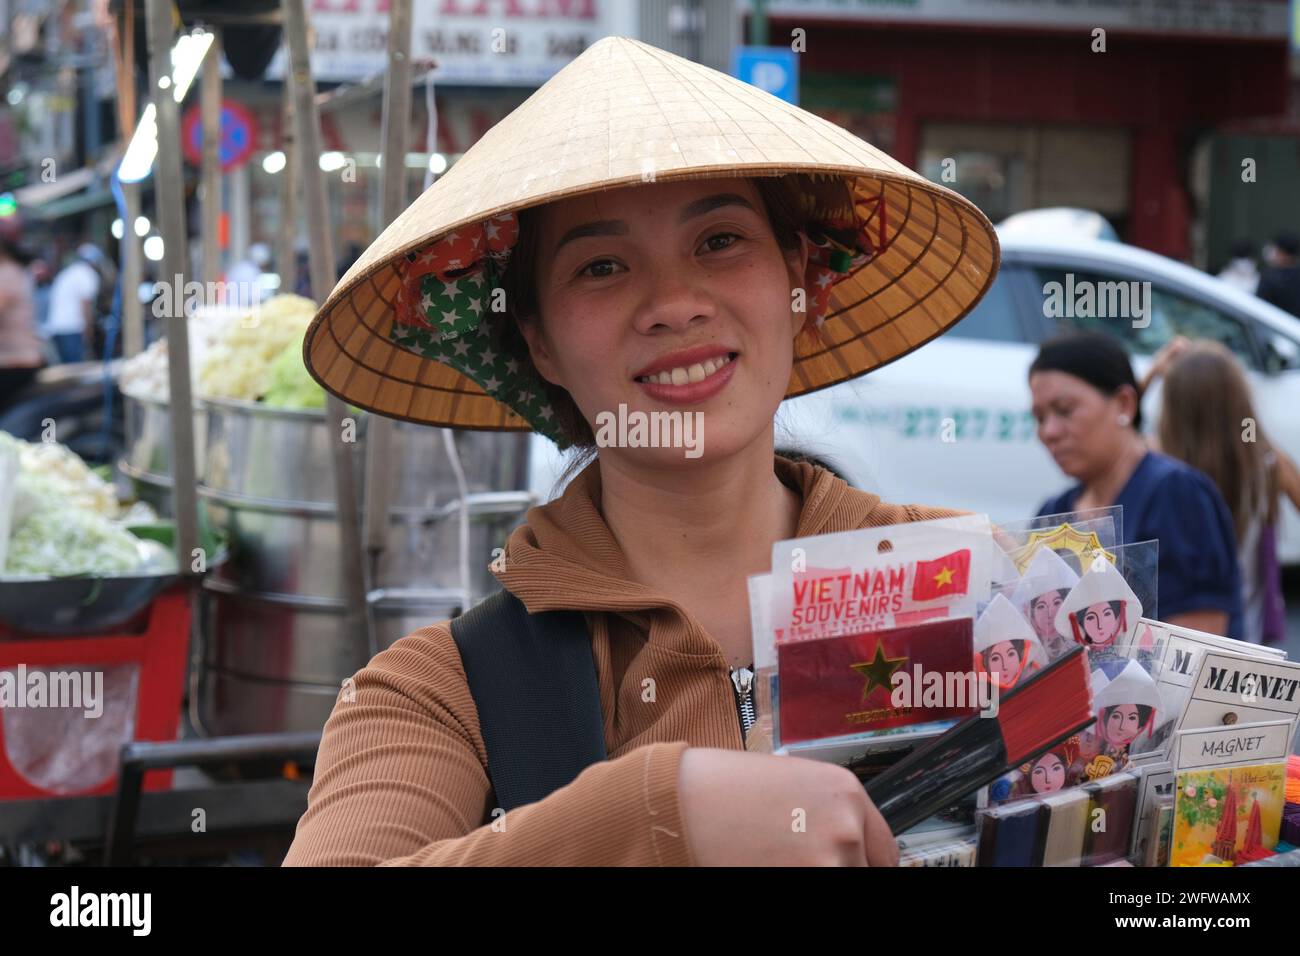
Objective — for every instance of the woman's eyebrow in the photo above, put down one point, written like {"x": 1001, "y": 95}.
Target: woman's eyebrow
{"x": 617, "y": 227}
{"x": 709, "y": 203}
{"x": 601, "y": 227}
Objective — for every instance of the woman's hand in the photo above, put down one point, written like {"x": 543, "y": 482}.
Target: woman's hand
{"x": 749, "y": 809}
{"x": 1166, "y": 357}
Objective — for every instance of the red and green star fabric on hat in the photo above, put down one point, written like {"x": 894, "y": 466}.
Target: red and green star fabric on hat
{"x": 446, "y": 291}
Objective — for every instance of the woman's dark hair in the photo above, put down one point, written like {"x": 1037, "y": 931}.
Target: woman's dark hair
{"x": 1059, "y": 592}
{"x": 821, "y": 462}
{"x": 1093, "y": 357}
{"x": 12, "y": 249}
{"x": 1116, "y": 607}
{"x": 1019, "y": 645}
{"x": 1242, "y": 249}
{"x": 781, "y": 196}
{"x": 1144, "y": 713}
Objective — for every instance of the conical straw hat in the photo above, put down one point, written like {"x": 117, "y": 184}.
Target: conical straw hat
{"x": 618, "y": 110}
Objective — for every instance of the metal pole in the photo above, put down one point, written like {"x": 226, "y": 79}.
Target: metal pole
{"x": 758, "y": 22}
{"x": 210, "y": 209}
{"x": 287, "y": 253}
{"x": 169, "y": 198}
{"x": 323, "y": 278}
{"x": 132, "y": 258}
{"x": 132, "y": 273}
{"x": 396, "y": 123}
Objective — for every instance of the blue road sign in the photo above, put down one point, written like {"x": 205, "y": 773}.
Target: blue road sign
{"x": 774, "y": 69}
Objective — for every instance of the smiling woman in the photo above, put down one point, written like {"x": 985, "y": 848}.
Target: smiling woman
{"x": 767, "y": 208}
{"x": 642, "y": 237}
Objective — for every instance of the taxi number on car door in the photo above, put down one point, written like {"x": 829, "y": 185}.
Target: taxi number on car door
{"x": 937, "y": 422}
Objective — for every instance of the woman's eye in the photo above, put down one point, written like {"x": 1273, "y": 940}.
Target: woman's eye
{"x": 713, "y": 241}
{"x": 601, "y": 267}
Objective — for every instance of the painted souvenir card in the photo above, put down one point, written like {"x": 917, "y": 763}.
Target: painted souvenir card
{"x": 1006, "y": 647}
{"x": 1127, "y": 708}
{"x": 1039, "y": 594}
{"x": 1101, "y": 613}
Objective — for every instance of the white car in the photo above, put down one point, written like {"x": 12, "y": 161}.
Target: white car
{"x": 950, "y": 425}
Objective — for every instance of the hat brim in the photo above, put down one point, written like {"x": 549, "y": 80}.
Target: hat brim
{"x": 941, "y": 258}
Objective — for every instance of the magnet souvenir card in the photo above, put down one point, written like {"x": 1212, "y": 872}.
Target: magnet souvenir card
{"x": 836, "y": 686}
{"x": 1155, "y": 783}
{"x": 1229, "y": 689}
{"x": 876, "y": 578}
{"x": 1178, "y": 652}
{"x": 1229, "y": 793}
{"x": 1101, "y": 611}
{"x": 1039, "y": 594}
{"x": 1006, "y": 647}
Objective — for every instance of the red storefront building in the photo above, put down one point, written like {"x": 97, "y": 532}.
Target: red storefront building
{"x": 1039, "y": 109}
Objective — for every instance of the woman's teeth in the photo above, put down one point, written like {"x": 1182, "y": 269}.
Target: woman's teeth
{"x": 687, "y": 374}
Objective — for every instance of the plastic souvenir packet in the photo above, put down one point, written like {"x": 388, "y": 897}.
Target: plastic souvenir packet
{"x": 1076, "y": 536}
{"x": 875, "y": 578}
{"x": 1054, "y": 609}
{"x": 1090, "y": 825}
{"x": 960, "y": 852}
{"x": 835, "y": 591}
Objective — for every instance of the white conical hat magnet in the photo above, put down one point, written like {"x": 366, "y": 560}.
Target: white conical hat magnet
{"x": 1046, "y": 572}
{"x": 1101, "y": 610}
{"x": 1002, "y": 622}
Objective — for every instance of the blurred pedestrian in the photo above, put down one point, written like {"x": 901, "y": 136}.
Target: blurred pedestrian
{"x": 1241, "y": 272}
{"x": 42, "y": 281}
{"x": 302, "y": 280}
{"x": 351, "y": 253}
{"x": 73, "y": 305}
{"x": 1086, "y": 403}
{"x": 20, "y": 346}
{"x": 1280, "y": 281}
{"x": 245, "y": 276}
{"x": 1205, "y": 403}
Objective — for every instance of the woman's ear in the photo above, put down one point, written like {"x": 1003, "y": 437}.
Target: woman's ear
{"x": 1126, "y": 400}
{"x": 531, "y": 329}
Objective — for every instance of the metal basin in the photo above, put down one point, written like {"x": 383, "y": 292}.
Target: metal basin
{"x": 149, "y": 438}
{"x": 269, "y": 665}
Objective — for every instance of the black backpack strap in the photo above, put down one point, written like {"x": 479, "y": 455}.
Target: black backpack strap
{"x": 533, "y": 678}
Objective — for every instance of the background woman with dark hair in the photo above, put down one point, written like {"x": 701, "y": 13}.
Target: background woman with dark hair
{"x": 1086, "y": 403}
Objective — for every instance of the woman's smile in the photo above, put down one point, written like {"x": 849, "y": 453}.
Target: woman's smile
{"x": 681, "y": 383}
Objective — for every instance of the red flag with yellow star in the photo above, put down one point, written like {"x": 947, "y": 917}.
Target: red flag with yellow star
{"x": 833, "y": 686}
{"x": 942, "y": 576}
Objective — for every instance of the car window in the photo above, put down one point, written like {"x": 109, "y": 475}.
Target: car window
{"x": 994, "y": 318}
{"x": 1090, "y": 301}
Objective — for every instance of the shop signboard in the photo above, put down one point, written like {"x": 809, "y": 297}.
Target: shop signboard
{"x": 1243, "y": 18}
{"x": 473, "y": 42}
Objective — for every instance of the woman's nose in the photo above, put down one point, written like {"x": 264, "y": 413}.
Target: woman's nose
{"x": 673, "y": 301}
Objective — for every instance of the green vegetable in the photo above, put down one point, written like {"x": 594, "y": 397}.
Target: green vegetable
{"x": 290, "y": 384}
{"x": 71, "y": 541}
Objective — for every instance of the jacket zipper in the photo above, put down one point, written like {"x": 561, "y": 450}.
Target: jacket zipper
{"x": 742, "y": 681}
